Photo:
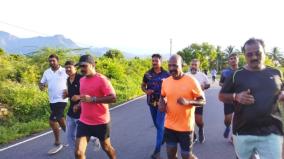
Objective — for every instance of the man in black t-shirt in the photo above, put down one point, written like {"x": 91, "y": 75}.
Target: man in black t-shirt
{"x": 256, "y": 91}
{"x": 73, "y": 114}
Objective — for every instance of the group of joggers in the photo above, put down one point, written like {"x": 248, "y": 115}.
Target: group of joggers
{"x": 252, "y": 97}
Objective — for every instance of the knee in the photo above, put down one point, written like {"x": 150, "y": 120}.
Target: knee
{"x": 79, "y": 153}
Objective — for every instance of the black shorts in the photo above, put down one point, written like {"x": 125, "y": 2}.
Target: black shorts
{"x": 199, "y": 110}
{"x": 185, "y": 139}
{"x": 57, "y": 110}
{"x": 102, "y": 131}
{"x": 229, "y": 109}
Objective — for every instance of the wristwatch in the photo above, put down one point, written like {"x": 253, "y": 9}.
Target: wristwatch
{"x": 94, "y": 99}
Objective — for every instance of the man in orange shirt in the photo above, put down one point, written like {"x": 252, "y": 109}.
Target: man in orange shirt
{"x": 180, "y": 95}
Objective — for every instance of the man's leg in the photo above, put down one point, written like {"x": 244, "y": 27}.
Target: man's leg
{"x": 71, "y": 131}
{"x": 62, "y": 123}
{"x": 172, "y": 151}
{"x": 60, "y": 115}
{"x": 56, "y": 131}
{"x": 186, "y": 145}
{"x": 160, "y": 120}
{"x": 200, "y": 124}
{"x": 227, "y": 122}
{"x": 171, "y": 142}
{"x": 270, "y": 147}
{"x": 107, "y": 147}
{"x": 228, "y": 111}
{"x": 153, "y": 112}
{"x": 244, "y": 145}
{"x": 80, "y": 148}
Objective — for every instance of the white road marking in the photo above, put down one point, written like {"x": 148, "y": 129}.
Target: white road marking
{"x": 46, "y": 133}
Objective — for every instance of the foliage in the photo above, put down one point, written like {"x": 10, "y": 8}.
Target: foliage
{"x": 114, "y": 53}
{"x": 29, "y": 107}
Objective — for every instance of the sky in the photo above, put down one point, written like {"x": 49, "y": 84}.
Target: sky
{"x": 146, "y": 26}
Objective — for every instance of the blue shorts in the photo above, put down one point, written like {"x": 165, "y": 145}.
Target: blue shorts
{"x": 268, "y": 147}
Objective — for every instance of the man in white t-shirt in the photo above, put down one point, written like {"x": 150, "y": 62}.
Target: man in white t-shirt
{"x": 205, "y": 84}
{"x": 55, "y": 78}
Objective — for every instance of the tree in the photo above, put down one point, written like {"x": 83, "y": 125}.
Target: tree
{"x": 276, "y": 56}
{"x": 204, "y": 52}
{"x": 114, "y": 53}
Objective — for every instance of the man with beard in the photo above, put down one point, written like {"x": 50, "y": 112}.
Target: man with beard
{"x": 55, "y": 77}
{"x": 95, "y": 93}
{"x": 257, "y": 92}
{"x": 233, "y": 61}
{"x": 151, "y": 85}
{"x": 205, "y": 84}
{"x": 180, "y": 95}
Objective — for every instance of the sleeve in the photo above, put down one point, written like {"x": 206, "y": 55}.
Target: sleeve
{"x": 206, "y": 80}
{"x": 222, "y": 78}
{"x": 145, "y": 79}
{"x": 197, "y": 90}
{"x": 107, "y": 87}
{"x": 43, "y": 79}
{"x": 229, "y": 84}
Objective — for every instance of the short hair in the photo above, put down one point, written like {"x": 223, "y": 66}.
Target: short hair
{"x": 253, "y": 41}
{"x": 157, "y": 56}
{"x": 53, "y": 56}
{"x": 233, "y": 54}
{"x": 195, "y": 60}
{"x": 69, "y": 62}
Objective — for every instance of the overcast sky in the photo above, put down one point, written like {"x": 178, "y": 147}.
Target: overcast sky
{"x": 146, "y": 26}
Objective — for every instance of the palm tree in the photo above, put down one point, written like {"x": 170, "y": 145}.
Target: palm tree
{"x": 276, "y": 56}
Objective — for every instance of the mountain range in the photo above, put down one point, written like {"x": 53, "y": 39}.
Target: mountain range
{"x": 16, "y": 45}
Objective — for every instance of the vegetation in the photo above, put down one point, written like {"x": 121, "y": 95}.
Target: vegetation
{"x": 28, "y": 107}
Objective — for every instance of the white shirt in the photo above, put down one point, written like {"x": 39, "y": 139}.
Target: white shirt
{"x": 56, "y": 82}
{"x": 200, "y": 77}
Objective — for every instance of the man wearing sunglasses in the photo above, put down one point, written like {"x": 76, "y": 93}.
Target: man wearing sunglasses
{"x": 256, "y": 91}
{"x": 55, "y": 77}
{"x": 96, "y": 92}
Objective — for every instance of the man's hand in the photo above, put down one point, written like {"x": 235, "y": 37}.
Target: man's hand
{"x": 245, "y": 98}
{"x": 162, "y": 105}
{"x": 65, "y": 94}
{"x": 76, "y": 108}
{"x": 182, "y": 101}
{"x": 281, "y": 96}
{"x": 149, "y": 91}
{"x": 86, "y": 98}
{"x": 41, "y": 86}
{"x": 75, "y": 98}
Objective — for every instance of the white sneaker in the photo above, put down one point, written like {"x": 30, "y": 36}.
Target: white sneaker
{"x": 55, "y": 149}
{"x": 96, "y": 142}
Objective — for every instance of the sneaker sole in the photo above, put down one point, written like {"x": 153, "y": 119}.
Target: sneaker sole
{"x": 51, "y": 152}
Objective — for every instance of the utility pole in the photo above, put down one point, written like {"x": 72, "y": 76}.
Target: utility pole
{"x": 171, "y": 43}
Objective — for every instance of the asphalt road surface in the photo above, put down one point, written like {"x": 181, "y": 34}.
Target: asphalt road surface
{"x": 133, "y": 135}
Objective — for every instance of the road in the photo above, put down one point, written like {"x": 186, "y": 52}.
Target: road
{"x": 133, "y": 135}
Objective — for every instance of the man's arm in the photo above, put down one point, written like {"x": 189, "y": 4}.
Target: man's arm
{"x": 144, "y": 89}
{"x": 162, "y": 105}
{"x": 111, "y": 98}
{"x": 199, "y": 102}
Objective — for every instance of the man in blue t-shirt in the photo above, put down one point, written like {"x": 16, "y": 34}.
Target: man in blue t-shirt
{"x": 233, "y": 61}
{"x": 151, "y": 85}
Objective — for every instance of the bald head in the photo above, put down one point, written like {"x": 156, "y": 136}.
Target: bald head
{"x": 175, "y": 66}
{"x": 176, "y": 58}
